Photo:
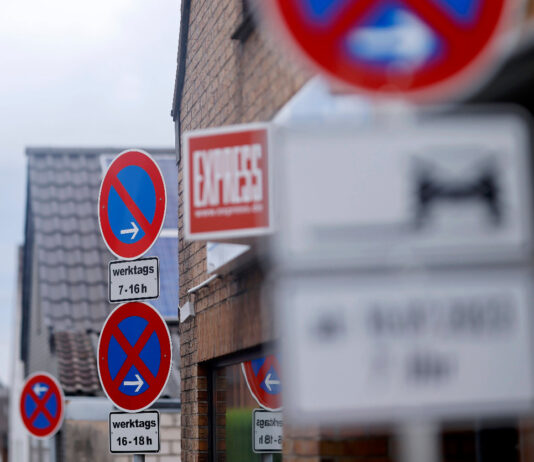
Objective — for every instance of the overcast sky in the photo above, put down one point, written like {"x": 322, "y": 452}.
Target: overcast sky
{"x": 76, "y": 74}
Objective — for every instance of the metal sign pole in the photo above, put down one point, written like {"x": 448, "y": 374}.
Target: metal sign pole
{"x": 419, "y": 442}
{"x": 139, "y": 458}
{"x": 267, "y": 458}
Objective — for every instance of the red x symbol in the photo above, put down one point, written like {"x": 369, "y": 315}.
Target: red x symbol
{"x": 132, "y": 356}
{"x": 155, "y": 328}
{"x": 41, "y": 406}
{"x": 427, "y": 10}
{"x": 53, "y": 389}
{"x": 464, "y": 45}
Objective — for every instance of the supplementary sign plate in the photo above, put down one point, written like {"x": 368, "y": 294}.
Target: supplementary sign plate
{"x": 133, "y": 280}
{"x": 267, "y": 431}
{"x": 443, "y": 190}
{"x": 134, "y": 433}
{"x": 134, "y": 356}
{"x": 444, "y": 345}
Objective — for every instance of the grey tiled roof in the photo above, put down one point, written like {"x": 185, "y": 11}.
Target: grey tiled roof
{"x": 76, "y": 363}
{"x": 71, "y": 256}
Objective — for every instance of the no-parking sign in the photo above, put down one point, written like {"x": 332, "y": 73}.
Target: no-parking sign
{"x": 419, "y": 49}
{"x": 131, "y": 204}
{"x": 134, "y": 356}
{"x": 42, "y": 405}
{"x": 263, "y": 379}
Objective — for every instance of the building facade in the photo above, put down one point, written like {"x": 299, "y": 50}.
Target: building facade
{"x": 231, "y": 72}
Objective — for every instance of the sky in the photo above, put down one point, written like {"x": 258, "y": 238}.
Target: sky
{"x": 96, "y": 73}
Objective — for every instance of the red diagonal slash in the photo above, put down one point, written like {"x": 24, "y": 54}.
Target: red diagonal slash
{"x": 130, "y": 204}
{"x": 132, "y": 356}
{"x": 270, "y": 361}
{"x": 41, "y": 406}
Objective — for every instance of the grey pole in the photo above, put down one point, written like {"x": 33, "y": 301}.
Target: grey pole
{"x": 139, "y": 458}
{"x": 266, "y": 458}
{"x": 419, "y": 442}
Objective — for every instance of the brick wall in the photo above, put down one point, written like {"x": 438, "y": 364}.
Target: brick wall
{"x": 229, "y": 82}
{"x": 170, "y": 436}
{"x": 88, "y": 441}
{"x": 226, "y": 82}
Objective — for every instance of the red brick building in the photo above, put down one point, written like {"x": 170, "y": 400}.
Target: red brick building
{"x": 230, "y": 72}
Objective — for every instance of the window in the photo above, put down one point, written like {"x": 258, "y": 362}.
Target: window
{"x": 232, "y": 413}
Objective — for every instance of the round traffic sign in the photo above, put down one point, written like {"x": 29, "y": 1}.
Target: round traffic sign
{"x": 42, "y": 405}
{"x": 134, "y": 356}
{"x": 131, "y": 204}
{"x": 422, "y": 50}
{"x": 263, "y": 380}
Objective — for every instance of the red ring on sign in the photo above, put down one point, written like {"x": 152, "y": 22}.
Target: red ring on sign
{"x": 467, "y": 48}
{"x": 270, "y": 402}
{"x": 156, "y": 385}
{"x": 146, "y": 162}
{"x": 54, "y": 388}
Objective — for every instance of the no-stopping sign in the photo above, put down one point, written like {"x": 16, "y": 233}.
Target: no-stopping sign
{"x": 134, "y": 356}
{"x": 42, "y": 405}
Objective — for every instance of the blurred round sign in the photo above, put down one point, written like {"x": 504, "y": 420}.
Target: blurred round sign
{"x": 264, "y": 382}
{"x": 42, "y": 405}
{"x": 422, "y": 50}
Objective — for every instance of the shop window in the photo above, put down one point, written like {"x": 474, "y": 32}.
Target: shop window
{"x": 233, "y": 407}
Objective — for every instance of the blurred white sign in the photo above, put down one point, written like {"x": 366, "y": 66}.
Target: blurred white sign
{"x": 444, "y": 190}
{"x": 267, "y": 435}
{"x": 444, "y": 344}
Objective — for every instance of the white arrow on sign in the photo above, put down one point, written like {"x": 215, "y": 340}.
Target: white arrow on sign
{"x": 408, "y": 40}
{"x": 139, "y": 382}
{"x": 268, "y": 381}
{"x": 133, "y": 230}
{"x": 37, "y": 389}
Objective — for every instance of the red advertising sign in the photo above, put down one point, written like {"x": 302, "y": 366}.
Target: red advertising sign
{"x": 422, "y": 50}
{"x": 226, "y": 182}
{"x": 42, "y": 405}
